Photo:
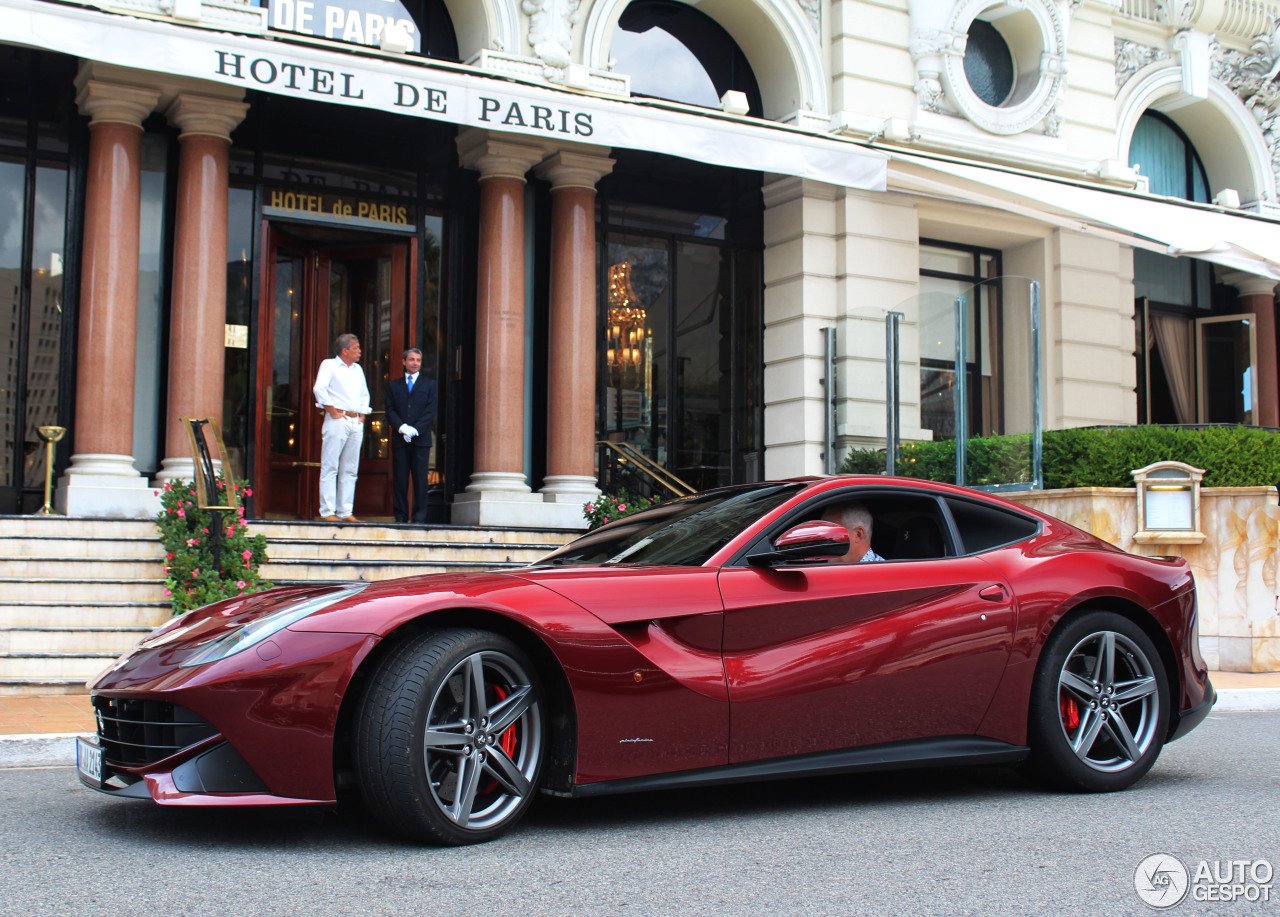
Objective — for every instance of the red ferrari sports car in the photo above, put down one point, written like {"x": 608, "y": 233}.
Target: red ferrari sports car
{"x": 728, "y": 636}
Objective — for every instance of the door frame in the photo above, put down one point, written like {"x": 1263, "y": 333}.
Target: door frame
{"x": 317, "y": 259}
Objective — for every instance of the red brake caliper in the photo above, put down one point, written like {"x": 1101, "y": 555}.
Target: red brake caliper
{"x": 508, "y": 739}
{"x": 1070, "y": 712}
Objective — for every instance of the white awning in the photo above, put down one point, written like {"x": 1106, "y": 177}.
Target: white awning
{"x": 415, "y": 87}
{"x": 1239, "y": 241}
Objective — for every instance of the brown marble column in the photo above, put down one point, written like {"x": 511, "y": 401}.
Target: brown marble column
{"x": 199, "y": 303}
{"x": 571, "y": 390}
{"x": 102, "y": 480}
{"x": 498, "y": 492}
{"x": 1258, "y": 295}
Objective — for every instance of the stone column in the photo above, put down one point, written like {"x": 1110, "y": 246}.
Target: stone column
{"x": 499, "y": 492}
{"x": 571, "y": 390}
{"x": 102, "y": 480}
{"x": 1258, "y": 295}
{"x": 199, "y": 303}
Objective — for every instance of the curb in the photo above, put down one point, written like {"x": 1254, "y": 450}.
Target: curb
{"x": 58, "y": 749}
{"x": 47, "y": 749}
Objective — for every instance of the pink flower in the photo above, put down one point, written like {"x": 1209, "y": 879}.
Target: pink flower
{"x": 167, "y": 592}
{"x": 248, "y": 491}
{"x": 157, "y": 493}
{"x": 206, "y": 531}
{"x": 168, "y": 557}
{"x": 192, "y": 542}
{"x": 622, "y": 506}
{"x": 241, "y": 584}
{"x": 246, "y": 555}
{"x": 181, "y": 511}
{"x": 195, "y": 572}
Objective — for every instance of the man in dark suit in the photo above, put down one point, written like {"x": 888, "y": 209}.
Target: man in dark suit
{"x": 411, "y": 410}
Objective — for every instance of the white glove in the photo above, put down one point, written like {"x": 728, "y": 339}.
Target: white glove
{"x": 408, "y": 432}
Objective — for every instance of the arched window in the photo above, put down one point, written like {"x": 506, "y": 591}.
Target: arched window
{"x": 1163, "y": 153}
{"x": 1195, "y": 357}
{"x": 672, "y": 51}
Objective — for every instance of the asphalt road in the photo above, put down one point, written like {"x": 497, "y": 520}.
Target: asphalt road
{"x": 968, "y": 841}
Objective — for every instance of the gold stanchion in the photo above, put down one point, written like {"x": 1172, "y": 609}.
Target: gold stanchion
{"x": 50, "y": 435}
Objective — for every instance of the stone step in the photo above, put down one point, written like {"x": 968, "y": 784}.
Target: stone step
{"x": 81, "y": 591}
{"x": 17, "y": 641}
{"x": 338, "y": 531}
{"x": 287, "y": 571}
{"x": 86, "y": 528}
{"x": 424, "y": 552}
{"x": 84, "y": 549}
{"x": 33, "y": 687}
{"x": 62, "y": 666}
{"x": 50, "y": 613}
{"x": 38, "y": 568}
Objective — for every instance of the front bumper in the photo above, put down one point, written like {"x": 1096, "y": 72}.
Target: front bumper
{"x": 256, "y": 728}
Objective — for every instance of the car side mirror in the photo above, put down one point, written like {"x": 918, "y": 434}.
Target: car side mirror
{"x": 805, "y": 543}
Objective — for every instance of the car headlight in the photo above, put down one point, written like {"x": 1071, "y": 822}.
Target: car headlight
{"x": 260, "y": 629}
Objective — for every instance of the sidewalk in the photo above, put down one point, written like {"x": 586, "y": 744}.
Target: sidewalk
{"x": 39, "y": 731}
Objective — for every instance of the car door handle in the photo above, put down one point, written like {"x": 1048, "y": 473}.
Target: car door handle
{"x": 994, "y": 593}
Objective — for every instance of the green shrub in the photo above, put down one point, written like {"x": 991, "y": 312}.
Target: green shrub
{"x": 190, "y": 578}
{"x": 1091, "y": 457}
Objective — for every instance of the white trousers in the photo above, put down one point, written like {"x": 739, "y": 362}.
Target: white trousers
{"x": 339, "y": 464}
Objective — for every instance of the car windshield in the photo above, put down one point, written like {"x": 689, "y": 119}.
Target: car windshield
{"x": 680, "y": 533}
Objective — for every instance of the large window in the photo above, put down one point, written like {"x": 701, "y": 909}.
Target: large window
{"x": 681, "y": 312}
{"x": 1195, "y": 355}
{"x": 672, "y": 51}
{"x": 35, "y": 125}
{"x": 948, "y": 273}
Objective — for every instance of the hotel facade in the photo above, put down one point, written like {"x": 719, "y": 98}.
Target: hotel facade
{"x": 680, "y": 228}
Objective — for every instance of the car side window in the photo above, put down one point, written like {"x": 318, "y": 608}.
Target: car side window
{"x": 982, "y": 527}
{"x": 905, "y": 526}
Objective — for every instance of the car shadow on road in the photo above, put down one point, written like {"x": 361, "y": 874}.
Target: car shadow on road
{"x": 351, "y": 828}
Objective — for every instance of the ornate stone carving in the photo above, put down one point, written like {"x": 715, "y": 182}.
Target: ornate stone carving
{"x": 930, "y": 96}
{"x": 551, "y": 25}
{"x": 813, "y": 9}
{"x": 1054, "y": 120}
{"x": 1253, "y": 77}
{"x": 1132, "y": 57}
{"x": 1180, "y": 14}
{"x": 925, "y": 43}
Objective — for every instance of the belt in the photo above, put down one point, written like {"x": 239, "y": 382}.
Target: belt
{"x": 351, "y": 413}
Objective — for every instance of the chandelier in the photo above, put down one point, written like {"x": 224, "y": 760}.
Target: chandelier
{"x": 626, "y": 319}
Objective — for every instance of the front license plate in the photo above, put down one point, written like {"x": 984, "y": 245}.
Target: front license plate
{"x": 89, "y": 759}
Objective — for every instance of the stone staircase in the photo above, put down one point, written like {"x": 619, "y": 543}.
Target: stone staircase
{"x": 76, "y": 593}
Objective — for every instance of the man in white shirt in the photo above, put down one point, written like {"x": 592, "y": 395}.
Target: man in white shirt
{"x": 341, "y": 390}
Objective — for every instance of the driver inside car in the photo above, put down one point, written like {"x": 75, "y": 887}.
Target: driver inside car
{"x": 857, "y": 520}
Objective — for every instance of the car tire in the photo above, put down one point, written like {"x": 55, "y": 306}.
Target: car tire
{"x": 1100, "y": 705}
{"x": 449, "y": 737}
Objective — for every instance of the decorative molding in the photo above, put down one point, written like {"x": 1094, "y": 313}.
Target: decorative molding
{"x": 530, "y": 68}
{"x": 1132, "y": 57}
{"x": 551, "y": 25}
{"x": 1178, "y": 14}
{"x": 228, "y": 15}
{"x": 193, "y": 114}
{"x": 813, "y": 10}
{"x": 115, "y": 103}
{"x": 1035, "y": 104}
{"x": 1253, "y": 78}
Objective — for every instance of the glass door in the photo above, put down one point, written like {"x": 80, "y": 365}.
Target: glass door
{"x": 1226, "y": 353}
{"x": 314, "y": 295}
